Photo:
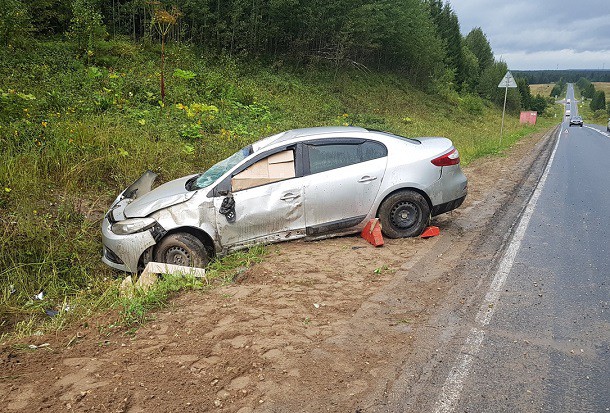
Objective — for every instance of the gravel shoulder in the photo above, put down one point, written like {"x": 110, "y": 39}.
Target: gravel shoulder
{"x": 332, "y": 325}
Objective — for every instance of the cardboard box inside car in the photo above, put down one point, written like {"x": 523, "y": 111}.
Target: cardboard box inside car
{"x": 271, "y": 169}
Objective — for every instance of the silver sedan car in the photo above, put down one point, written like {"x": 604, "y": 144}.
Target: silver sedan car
{"x": 304, "y": 183}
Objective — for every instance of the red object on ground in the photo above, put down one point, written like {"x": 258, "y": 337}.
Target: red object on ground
{"x": 528, "y": 117}
{"x": 430, "y": 232}
{"x": 372, "y": 232}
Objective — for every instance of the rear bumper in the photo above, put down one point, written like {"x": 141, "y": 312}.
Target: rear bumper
{"x": 447, "y": 206}
{"x": 449, "y": 191}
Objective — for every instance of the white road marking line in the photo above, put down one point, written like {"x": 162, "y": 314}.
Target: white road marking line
{"x": 606, "y": 134}
{"x": 450, "y": 393}
{"x": 452, "y": 388}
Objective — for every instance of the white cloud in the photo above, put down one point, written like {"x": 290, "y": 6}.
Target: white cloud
{"x": 544, "y": 33}
{"x": 557, "y": 59}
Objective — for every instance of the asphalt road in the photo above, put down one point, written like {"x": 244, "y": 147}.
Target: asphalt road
{"x": 573, "y": 105}
{"x": 546, "y": 346}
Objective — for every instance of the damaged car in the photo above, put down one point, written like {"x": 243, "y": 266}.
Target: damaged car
{"x": 300, "y": 184}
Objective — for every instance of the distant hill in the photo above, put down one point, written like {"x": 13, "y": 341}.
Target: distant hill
{"x": 551, "y": 76}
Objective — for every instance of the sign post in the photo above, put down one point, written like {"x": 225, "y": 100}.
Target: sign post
{"x": 507, "y": 81}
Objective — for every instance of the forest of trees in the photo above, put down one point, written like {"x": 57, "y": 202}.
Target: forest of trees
{"x": 420, "y": 39}
{"x": 571, "y": 76}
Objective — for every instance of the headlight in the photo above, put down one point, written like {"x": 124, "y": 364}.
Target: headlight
{"x": 132, "y": 225}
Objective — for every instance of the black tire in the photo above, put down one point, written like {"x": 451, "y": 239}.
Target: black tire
{"x": 404, "y": 214}
{"x": 182, "y": 249}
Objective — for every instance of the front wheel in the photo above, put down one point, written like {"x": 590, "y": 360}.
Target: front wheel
{"x": 404, "y": 214}
{"x": 182, "y": 249}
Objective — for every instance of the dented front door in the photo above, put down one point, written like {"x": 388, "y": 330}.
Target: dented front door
{"x": 268, "y": 213}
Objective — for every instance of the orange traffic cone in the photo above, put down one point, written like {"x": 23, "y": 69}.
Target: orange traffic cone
{"x": 372, "y": 232}
{"x": 430, "y": 232}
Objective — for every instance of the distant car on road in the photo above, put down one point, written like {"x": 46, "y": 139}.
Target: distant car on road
{"x": 568, "y": 113}
{"x": 576, "y": 120}
{"x": 304, "y": 183}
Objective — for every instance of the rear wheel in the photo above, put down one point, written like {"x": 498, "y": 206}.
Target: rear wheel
{"x": 404, "y": 214}
{"x": 182, "y": 249}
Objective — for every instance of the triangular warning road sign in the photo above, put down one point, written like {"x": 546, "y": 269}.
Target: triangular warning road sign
{"x": 508, "y": 80}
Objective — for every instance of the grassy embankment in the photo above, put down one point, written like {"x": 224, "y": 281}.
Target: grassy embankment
{"x": 73, "y": 135}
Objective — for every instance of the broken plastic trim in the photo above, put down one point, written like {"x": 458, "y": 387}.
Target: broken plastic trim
{"x": 227, "y": 208}
{"x": 334, "y": 225}
{"x": 141, "y": 186}
{"x": 157, "y": 232}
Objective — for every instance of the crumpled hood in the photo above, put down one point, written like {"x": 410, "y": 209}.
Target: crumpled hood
{"x": 170, "y": 193}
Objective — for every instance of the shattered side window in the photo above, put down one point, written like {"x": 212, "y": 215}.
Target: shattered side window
{"x": 211, "y": 175}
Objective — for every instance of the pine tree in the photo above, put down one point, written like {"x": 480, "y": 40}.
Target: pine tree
{"x": 599, "y": 101}
{"x": 479, "y": 45}
{"x": 524, "y": 90}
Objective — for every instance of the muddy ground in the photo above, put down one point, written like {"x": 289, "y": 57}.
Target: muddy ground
{"x": 333, "y": 325}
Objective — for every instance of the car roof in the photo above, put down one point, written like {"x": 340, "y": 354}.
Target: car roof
{"x": 304, "y": 132}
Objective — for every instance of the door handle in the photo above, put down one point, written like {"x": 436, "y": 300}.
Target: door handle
{"x": 367, "y": 178}
{"x": 289, "y": 196}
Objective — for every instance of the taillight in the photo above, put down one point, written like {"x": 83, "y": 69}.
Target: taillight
{"x": 448, "y": 159}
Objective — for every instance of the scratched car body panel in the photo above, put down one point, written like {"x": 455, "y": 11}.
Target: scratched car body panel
{"x": 304, "y": 183}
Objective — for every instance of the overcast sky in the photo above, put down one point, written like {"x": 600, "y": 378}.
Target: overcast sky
{"x": 542, "y": 34}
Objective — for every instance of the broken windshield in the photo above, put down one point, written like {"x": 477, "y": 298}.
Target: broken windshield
{"x": 211, "y": 175}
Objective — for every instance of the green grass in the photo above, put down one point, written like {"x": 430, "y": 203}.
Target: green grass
{"x": 72, "y": 137}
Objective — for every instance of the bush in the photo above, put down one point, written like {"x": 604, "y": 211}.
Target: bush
{"x": 599, "y": 101}
{"x": 86, "y": 25}
{"x": 472, "y": 104}
{"x": 539, "y": 104}
{"x": 14, "y": 23}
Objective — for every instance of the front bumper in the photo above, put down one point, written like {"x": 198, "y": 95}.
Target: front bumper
{"x": 123, "y": 252}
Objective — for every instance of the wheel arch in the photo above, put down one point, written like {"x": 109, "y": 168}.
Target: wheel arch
{"x": 407, "y": 188}
{"x": 203, "y": 236}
